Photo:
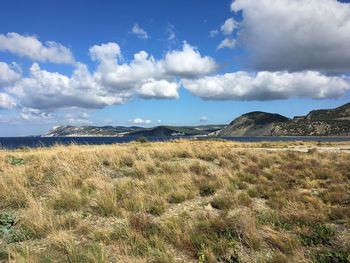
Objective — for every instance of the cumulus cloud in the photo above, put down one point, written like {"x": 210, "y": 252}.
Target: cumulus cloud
{"x": 296, "y": 35}
{"x": 113, "y": 82}
{"x": 213, "y": 33}
{"x": 31, "y": 47}
{"x": 204, "y": 119}
{"x": 229, "y": 26}
{"x": 7, "y": 102}
{"x": 263, "y": 86}
{"x": 136, "y": 30}
{"x": 159, "y": 89}
{"x": 159, "y": 121}
{"x": 150, "y": 77}
{"x": 140, "y": 121}
{"x": 7, "y": 75}
{"x": 188, "y": 62}
{"x": 125, "y": 76}
{"x": 105, "y": 52}
{"x": 227, "y": 42}
{"x": 49, "y": 91}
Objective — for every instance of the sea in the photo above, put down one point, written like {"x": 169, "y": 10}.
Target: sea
{"x": 35, "y": 142}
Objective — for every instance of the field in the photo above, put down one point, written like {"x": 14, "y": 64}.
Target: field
{"x": 178, "y": 201}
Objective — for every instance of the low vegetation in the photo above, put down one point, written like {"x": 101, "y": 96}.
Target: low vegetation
{"x": 176, "y": 201}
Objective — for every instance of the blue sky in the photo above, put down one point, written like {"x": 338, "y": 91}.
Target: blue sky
{"x": 184, "y": 62}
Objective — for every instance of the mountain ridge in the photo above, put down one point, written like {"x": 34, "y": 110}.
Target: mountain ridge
{"x": 323, "y": 122}
{"x": 119, "y": 131}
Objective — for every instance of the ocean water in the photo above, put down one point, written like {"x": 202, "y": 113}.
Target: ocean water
{"x": 33, "y": 142}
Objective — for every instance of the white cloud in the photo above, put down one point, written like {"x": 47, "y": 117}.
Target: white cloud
{"x": 35, "y": 115}
{"x": 213, "y": 33}
{"x": 263, "y": 86}
{"x": 29, "y": 116}
{"x": 7, "y": 75}
{"x": 7, "y": 102}
{"x": 120, "y": 77}
{"x": 159, "y": 121}
{"x": 171, "y": 36}
{"x": 49, "y": 91}
{"x": 160, "y": 89}
{"x": 84, "y": 115}
{"x": 150, "y": 77}
{"x": 229, "y": 26}
{"x": 73, "y": 121}
{"x": 227, "y": 42}
{"x": 140, "y": 121}
{"x": 204, "y": 119}
{"x": 105, "y": 52}
{"x": 188, "y": 62}
{"x": 170, "y": 31}
{"x": 136, "y": 30}
{"x": 31, "y": 47}
{"x": 296, "y": 35}
{"x": 113, "y": 82}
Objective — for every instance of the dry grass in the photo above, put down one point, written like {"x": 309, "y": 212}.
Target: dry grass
{"x": 178, "y": 201}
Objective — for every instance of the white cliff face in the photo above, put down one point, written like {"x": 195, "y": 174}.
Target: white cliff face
{"x": 54, "y": 130}
{"x": 88, "y": 131}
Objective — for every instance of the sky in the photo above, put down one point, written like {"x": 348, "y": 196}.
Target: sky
{"x": 173, "y": 62}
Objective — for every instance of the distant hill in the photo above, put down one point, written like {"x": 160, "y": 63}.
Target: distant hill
{"x": 80, "y": 131}
{"x": 328, "y": 122}
{"x": 251, "y": 124}
{"x": 168, "y": 131}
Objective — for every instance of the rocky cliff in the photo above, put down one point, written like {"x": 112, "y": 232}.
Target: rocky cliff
{"x": 328, "y": 122}
{"x": 252, "y": 124}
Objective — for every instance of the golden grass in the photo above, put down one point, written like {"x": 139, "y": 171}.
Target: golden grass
{"x": 177, "y": 201}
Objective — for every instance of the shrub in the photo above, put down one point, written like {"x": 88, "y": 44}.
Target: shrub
{"x": 12, "y": 235}
{"x": 253, "y": 192}
{"x": 318, "y": 234}
{"x": 15, "y": 161}
{"x": 19, "y": 235}
{"x": 179, "y": 196}
{"x": 207, "y": 189}
{"x": 244, "y": 199}
{"x": 325, "y": 256}
{"x": 6, "y": 222}
{"x": 156, "y": 207}
{"x": 222, "y": 202}
{"x": 3, "y": 255}
{"x": 142, "y": 140}
{"x": 271, "y": 218}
